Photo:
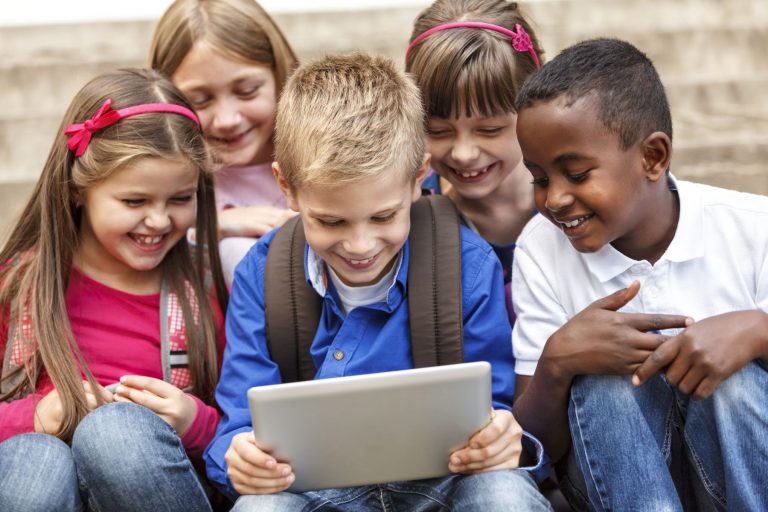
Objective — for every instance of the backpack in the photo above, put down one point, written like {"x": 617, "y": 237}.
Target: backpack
{"x": 292, "y": 307}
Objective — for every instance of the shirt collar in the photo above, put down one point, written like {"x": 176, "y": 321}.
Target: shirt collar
{"x": 316, "y": 277}
{"x": 687, "y": 243}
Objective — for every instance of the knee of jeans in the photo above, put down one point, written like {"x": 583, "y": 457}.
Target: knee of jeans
{"x": 21, "y": 488}
{"x": 742, "y": 388}
{"x": 112, "y": 432}
{"x": 498, "y": 490}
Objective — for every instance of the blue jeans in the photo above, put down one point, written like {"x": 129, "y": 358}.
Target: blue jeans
{"x": 654, "y": 448}
{"x": 492, "y": 491}
{"x": 123, "y": 457}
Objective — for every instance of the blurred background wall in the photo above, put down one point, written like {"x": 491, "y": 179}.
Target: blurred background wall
{"x": 711, "y": 54}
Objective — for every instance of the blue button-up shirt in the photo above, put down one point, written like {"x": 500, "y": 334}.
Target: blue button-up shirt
{"x": 370, "y": 339}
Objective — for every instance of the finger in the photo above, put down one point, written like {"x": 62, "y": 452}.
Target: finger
{"x": 657, "y": 360}
{"x": 140, "y": 397}
{"x": 506, "y": 448}
{"x": 690, "y": 380}
{"x": 262, "y": 486}
{"x": 618, "y": 299}
{"x": 508, "y": 458}
{"x": 706, "y": 387}
{"x": 100, "y": 391}
{"x": 501, "y": 422}
{"x": 155, "y": 386}
{"x": 656, "y": 322}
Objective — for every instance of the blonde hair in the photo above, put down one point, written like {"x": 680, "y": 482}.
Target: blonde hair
{"x": 343, "y": 118}
{"x": 241, "y": 29}
{"x": 37, "y": 258}
{"x": 470, "y": 69}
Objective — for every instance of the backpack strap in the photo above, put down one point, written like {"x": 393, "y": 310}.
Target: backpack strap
{"x": 291, "y": 306}
{"x": 434, "y": 283}
{"x": 173, "y": 335}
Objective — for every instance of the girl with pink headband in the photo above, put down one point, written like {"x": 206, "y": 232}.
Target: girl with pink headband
{"x": 469, "y": 58}
{"x": 110, "y": 324}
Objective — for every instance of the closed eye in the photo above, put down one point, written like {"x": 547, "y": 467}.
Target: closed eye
{"x": 133, "y": 202}
{"x": 579, "y": 177}
{"x": 182, "y": 199}
{"x": 382, "y": 219}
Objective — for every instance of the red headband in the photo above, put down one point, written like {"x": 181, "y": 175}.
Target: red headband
{"x": 80, "y": 134}
{"x": 521, "y": 41}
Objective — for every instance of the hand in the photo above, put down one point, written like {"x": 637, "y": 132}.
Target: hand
{"x": 49, "y": 413}
{"x": 708, "y": 352}
{"x": 251, "y": 221}
{"x": 601, "y": 340}
{"x": 173, "y": 405}
{"x": 253, "y": 470}
{"x": 498, "y": 445}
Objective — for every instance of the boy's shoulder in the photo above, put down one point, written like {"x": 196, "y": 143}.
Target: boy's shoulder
{"x": 719, "y": 200}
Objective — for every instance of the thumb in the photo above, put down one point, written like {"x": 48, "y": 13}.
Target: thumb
{"x": 618, "y": 299}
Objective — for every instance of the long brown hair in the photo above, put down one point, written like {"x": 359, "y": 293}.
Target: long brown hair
{"x": 239, "y": 28}
{"x": 470, "y": 69}
{"x": 44, "y": 240}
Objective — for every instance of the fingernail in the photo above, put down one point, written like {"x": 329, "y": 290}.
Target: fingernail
{"x": 286, "y": 471}
{"x": 635, "y": 380}
{"x": 271, "y": 463}
{"x": 291, "y": 478}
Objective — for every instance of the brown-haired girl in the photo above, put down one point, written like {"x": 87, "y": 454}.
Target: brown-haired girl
{"x": 469, "y": 58}
{"x": 230, "y": 60}
{"x": 98, "y": 287}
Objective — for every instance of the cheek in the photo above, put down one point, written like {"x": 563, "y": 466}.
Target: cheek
{"x": 261, "y": 110}
{"x": 438, "y": 148}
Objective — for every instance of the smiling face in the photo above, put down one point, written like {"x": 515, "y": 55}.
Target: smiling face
{"x": 131, "y": 219}
{"x": 591, "y": 188}
{"x": 358, "y": 228}
{"x": 475, "y": 154}
{"x": 235, "y": 101}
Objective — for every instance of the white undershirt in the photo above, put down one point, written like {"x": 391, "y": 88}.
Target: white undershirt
{"x": 354, "y": 296}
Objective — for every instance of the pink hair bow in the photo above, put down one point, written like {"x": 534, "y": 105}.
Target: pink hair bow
{"x": 80, "y": 134}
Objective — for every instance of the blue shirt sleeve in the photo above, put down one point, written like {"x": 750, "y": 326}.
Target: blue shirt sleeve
{"x": 246, "y": 360}
{"x": 487, "y": 333}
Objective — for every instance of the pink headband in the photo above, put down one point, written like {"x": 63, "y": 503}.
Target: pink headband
{"x": 80, "y": 134}
{"x": 521, "y": 41}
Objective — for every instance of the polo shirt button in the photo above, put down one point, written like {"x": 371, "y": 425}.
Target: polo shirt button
{"x": 338, "y": 355}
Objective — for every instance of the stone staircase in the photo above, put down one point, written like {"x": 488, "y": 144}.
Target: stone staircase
{"x": 711, "y": 55}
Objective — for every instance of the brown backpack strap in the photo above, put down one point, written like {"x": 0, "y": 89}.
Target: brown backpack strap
{"x": 434, "y": 283}
{"x": 292, "y": 306}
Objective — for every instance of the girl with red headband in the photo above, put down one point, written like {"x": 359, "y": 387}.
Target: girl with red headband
{"x": 469, "y": 58}
{"x": 110, "y": 324}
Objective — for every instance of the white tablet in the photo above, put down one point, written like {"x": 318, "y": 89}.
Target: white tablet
{"x": 375, "y": 428}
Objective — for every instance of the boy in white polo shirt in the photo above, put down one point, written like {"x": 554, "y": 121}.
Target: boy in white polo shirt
{"x": 649, "y": 340}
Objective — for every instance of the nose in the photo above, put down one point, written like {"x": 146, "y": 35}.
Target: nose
{"x": 464, "y": 151}
{"x": 157, "y": 219}
{"x": 559, "y": 197}
{"x": 226, "y": 115}
{"x": 360, "y": 242}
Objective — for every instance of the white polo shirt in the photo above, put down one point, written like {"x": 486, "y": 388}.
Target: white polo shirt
{"x": 716, "y": 263}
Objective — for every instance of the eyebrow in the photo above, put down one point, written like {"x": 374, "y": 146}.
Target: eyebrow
{"x": 569, "y": 157}
{"x": 383, "y": 211}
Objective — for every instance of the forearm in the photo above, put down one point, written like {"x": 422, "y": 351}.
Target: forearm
{"x": 542, "y": 409}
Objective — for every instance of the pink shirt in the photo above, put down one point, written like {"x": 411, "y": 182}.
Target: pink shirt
{"x": 243, "y": 186}
{"x": 118, "y": 334}
{"x": 247, "y": 186}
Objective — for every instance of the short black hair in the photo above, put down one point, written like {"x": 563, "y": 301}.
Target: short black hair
{"x": 626, "y": 88}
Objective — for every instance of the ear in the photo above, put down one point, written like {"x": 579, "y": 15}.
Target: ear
{"x": 657, "y": 153}
{"x": 421, "y": 175}
{"x": 289, "y": 193}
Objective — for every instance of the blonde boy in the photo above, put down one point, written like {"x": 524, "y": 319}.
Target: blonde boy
{"x": 350, "y": 159}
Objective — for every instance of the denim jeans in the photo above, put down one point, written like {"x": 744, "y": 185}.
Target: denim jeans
{"x": 488, "y": 492}
{"x": 654, "y": 448}
{"x": 37, "y": 473}
{"x": 123, "y": 457}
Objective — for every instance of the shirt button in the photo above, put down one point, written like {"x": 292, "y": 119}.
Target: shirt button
{"x": 338, "y": 355}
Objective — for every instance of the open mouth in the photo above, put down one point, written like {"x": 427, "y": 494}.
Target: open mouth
{"x": 360, "y": 264}
{"x": 231, "y": 141}
{"x": 148, "y": 242}
{"x": 470, "y": 175}
{"x": 572, "y": 226}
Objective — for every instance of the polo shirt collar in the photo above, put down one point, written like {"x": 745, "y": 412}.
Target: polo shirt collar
{"x": 687, "y": 244}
